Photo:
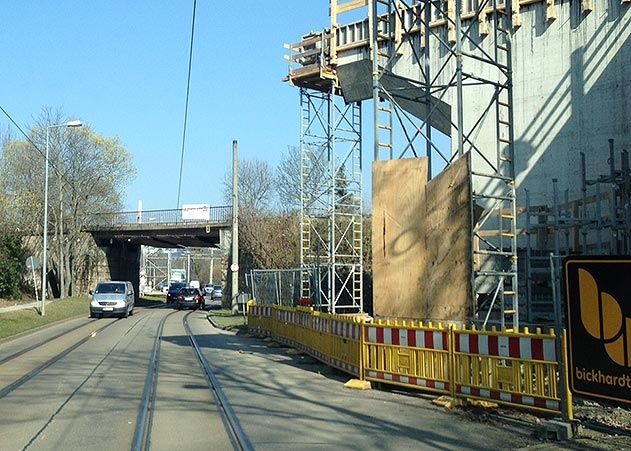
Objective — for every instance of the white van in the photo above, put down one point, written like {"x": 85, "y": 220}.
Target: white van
{"x": 194, "y": 284}
{"x": 112, "y": 297}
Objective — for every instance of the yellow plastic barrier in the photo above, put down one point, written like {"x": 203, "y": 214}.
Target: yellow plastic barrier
{"x": 514, "y": 368}
{"x": 409, "y": 354}
{"x": 518, "y": 369}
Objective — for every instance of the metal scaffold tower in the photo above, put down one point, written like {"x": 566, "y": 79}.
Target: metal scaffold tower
{"x": 331, "y": 204}
{"x": 331, "y": 239}
{"x": 430, "y": 65}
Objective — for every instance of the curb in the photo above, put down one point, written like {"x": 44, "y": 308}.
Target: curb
{"x": 215, "y": 324}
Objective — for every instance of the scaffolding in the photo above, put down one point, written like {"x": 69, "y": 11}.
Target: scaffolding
{"x": 331, "y": 234}
{"x": 598, "y": 222}
{"x": 425, "y": 60}
{"x": 474, "y": 58}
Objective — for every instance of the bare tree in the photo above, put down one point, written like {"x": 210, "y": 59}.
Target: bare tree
{"x": 256, "y": 185}
{"x": 299, "y": 171}
{"x": 267, "y": 238}
{"x": 88, "y": 173}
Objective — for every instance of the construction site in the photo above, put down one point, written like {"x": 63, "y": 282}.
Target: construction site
{"x": 499, "y": 134}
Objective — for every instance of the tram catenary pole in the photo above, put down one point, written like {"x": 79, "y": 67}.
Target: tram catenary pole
{"x": 234, "y": 267}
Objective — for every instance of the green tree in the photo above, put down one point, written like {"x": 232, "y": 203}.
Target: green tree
{"x": 12, "y": 256}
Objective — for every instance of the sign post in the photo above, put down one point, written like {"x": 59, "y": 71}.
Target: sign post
{"x": 598, "y": 303}
{"x": 558, "y": 341}
{"x": 32, "y": 263}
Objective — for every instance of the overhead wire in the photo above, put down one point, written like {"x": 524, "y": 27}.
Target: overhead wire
{"x": 41, "y": 152}
{"x": 188, "y": 89}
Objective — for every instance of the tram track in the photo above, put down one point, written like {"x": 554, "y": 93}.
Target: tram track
{"x": 78, "y": 388}
{"x": 144, "y": 424}
{"x": 238, "y": 438}
{"x": 43, "y": 342}
{"x": 57, "y": 357}
{"x": 46, "y": 341}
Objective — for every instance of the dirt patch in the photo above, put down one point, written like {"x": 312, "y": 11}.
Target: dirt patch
{"x": 597, "y": 425}
{"x": 603, "y": 416}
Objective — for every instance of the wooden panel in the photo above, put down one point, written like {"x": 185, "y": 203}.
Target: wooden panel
{"x": 448, "y": 244}
{"x": 421, "y": 241}
{"x": 397, "y": 237}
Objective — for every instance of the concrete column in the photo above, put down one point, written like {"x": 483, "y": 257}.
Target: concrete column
{"x": 123, "y": 261}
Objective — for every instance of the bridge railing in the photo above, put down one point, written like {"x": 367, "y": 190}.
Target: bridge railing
{"x": 203, "y": 214}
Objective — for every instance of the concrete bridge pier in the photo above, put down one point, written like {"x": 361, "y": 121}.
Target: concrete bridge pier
{"x": 123, "y": 261}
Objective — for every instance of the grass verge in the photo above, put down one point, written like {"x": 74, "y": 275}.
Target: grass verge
{"x": 13, "y": 323}
{"x": 227, "y": 320}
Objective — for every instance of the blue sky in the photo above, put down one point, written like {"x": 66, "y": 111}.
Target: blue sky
{"x": 121, "y": 66}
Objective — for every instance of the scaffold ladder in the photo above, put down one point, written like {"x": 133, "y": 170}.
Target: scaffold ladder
{"x": 496, "y": 252}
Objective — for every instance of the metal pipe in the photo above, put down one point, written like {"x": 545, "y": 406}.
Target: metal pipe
{"x": 626, "y": 193}
{"x": 613, "y": 204}
{"x": 459, "y": 79}
{"x": 528, "y": 259}
{"x": 558, "y": 325}
{"x": 374, "y": 42}
{"x": 428, "y": 98}
{"x": 584, "y": 203}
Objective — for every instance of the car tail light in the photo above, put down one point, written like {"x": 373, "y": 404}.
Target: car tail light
{"x": 198, "y": 298}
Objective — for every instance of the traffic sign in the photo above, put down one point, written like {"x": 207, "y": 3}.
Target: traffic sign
{"x": 598, "y": 317}
{"x": 33, "y": 263}
{"x": 234, "y": 267}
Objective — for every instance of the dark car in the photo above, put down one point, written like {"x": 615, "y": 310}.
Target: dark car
{"x": 216, "y": 293}
{"x": 189, "y": 297}
{"x": 174, "y": 289}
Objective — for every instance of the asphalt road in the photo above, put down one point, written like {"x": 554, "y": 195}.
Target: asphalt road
{"x": 88, "y": 396}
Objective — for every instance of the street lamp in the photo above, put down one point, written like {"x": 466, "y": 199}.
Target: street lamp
{"x": 44, "y": 269}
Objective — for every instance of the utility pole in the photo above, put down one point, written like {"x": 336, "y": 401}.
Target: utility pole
{"x": 168, "y": 267}
{"x": 188, "y": 265}
{"x": 234, "y": 267}
{"x": 212, "y": 262}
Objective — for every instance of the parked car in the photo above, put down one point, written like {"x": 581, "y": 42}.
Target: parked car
{"x": 189, "y": 297}
{"x": 208, "y": 289}
{"x": 112, "y": 297}
{"x": 174, "y": 290}
{"x": 216, "y": 293}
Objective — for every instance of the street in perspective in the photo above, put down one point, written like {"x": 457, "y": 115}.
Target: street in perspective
{"x": 331, "y": 224}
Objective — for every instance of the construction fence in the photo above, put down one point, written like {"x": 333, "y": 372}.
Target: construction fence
{"x": 519, "y": 369}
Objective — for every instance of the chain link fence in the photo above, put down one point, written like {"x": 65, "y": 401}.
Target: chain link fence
{"x": 280, "y": 286}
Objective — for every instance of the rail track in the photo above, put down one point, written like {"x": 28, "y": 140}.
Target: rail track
{"x": 144, "y": 423}
{"x": 37, "y": 345}
{"x": 57, "y": 357}
{"x": 43, "y": 342}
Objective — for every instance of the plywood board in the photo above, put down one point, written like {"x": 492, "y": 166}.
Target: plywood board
{"x": 448, "y": 244}
{"x": 421, "y": 241}
{"x": 397, "y": 237}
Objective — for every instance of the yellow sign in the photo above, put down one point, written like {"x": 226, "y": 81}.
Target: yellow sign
{"x": 598, "y": 316}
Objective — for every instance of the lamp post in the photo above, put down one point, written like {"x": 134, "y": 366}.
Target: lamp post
{"x": 44, "y": 259}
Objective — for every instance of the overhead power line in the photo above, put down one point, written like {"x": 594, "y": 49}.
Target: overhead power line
{"x": 188, "y": 89}
{"x": 41, "y": 152}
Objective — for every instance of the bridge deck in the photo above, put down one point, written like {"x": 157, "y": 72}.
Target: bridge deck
{"x": 192, "y": 227}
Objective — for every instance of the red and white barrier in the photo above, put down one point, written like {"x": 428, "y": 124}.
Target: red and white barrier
{"x": 527, "y": 348}
{"x": 413, "y": 338}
